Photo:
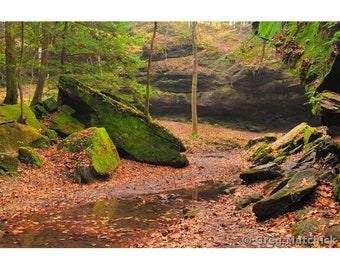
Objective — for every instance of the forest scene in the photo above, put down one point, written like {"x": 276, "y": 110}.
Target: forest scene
{"x": 192, "y": 134}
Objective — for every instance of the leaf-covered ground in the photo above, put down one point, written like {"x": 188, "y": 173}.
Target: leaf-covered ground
{"x": 44, "y": 208}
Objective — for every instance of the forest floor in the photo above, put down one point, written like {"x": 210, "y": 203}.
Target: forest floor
{"x": 144, "y": 205}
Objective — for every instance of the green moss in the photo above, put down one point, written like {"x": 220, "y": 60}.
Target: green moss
{"x": 262, "y": 154}
{"x": 64, "y": 124}
{"x": 14, "y": 135}
{"x": 8, "y": 163}
{"x": 103, "y": 154}
{"x": 248, "y": 200}
{"x": 50, "y": 104}
{"x": 51, "y": 134}
{"x": 12, "y": 112}
{"x": 29, "y": 156}
{"x": 127, "y": 127}
{"x": 39, "y": 111}
{"x": 280, "y": 159}
{"x": 105, "y": 158}
{"x": 309, "y": 227}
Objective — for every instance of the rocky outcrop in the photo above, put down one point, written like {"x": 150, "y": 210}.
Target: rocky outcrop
{"x": 328, "y": 109}
{"x": 262, "y": 172}
{"x": 297, "y": 178}
{"x": 128, "y": 128}
{"x": 290, "y": 143}
{"x": 95, "y": 154}
{"x": 297, "y": 188}
{"x": 232, "y": 92}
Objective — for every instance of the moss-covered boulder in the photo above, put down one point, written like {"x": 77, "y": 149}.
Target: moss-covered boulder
{"x": 261, "y": 172}
{"x": 128, "y": 128}
{"x": 64, "y": 123}
{"x": 333, "y": 231}
{"x": 51, "y": 134}
{"x": 29, "y": 156}
{"x": 13, "y": 135}
{"x": 43, "y": 108}
{"x": 290, "y": 143}
{"x": 297, "y": 188}
{"x": 50, "y": 104}
{"x": 336, "y": 187}
{"x": 8, "y": 163}
{"x": 10, "y": 113}
{"x": 244, "y": 202}
{"x": 95, "y": 153}
{"x": 312, "y": 226}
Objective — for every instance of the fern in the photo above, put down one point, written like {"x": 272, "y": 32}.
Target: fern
{"x": 268, "y": 29}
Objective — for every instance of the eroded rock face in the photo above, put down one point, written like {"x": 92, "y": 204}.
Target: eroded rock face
{"x": 234, "y": 92}
{"x": 127, "y": 127}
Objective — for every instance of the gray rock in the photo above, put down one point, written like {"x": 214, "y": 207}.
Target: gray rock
{"x": 262, "y": 172}
{"x": 297, "y": 188}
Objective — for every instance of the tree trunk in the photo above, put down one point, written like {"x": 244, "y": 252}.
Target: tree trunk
{"x": 63, "y": 49}
{"x": 11, "y": 65}
{"x": 43, "y": 65}
{"x": 21, "y": 90}
{"x": 148, "y": 79}
{"x": 194, "y": 80}
{"x": 264, "y": 43}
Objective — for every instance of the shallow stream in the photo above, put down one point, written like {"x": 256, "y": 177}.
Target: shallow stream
{"x": 108, "y": 223}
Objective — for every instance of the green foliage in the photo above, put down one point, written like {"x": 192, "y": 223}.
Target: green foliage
{"x": 308, "y": 47}
{"x": 268, "y": 29}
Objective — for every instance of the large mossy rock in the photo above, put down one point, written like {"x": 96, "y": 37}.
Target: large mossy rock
{"x": 128, "y": 128}
{"x": 10, "y": 113}
{"x": 43, "y": 108}
{"x": 297, "y": 188}
{"x": 8, "y": 163}
{"x": 95, "y": 153}
{"x": 64, "y": 123}
{"x": 13, "y": 135}
{"x": 29, "y": 156}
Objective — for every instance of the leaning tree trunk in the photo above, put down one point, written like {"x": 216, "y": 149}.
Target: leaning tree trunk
{"x": 11, "y": 65}
{"x": 194, "y": 80}
{"x": 43, "y": 65}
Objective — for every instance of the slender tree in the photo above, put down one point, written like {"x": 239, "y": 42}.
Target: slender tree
{"x": 43, "y": 64}
{"x": 63, "y": 48}
{"x": 194, "y": 80}
{"x": 21, "y": 90}
{"x": 148, "y": 78}
{"x": 11, "y": 65}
